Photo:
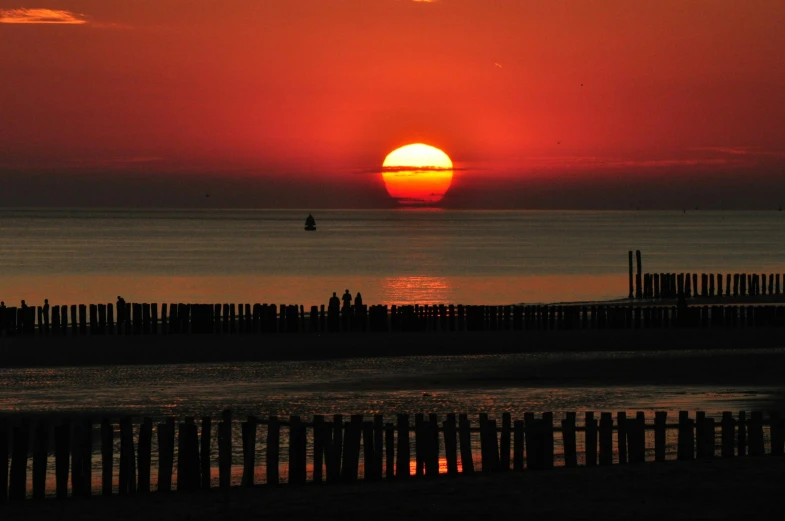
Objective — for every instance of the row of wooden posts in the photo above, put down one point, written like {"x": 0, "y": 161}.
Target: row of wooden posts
{"x": 339, "y": 446}
{"x": 262, "y": 318}
{"x": 695, "y": 285}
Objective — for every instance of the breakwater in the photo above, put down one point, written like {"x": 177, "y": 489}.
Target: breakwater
{"x": 332, "y": 450}
{"x": 247, "y": 319}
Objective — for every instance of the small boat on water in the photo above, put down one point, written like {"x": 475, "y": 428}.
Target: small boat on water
{"x": 310, "y": 224}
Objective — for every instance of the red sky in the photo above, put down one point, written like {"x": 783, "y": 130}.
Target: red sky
{"x": 296, "y": 102}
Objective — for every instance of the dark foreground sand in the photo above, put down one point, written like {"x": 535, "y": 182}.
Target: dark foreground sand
{"x": 741, "y": 488}
{"x": 98, "y": 350}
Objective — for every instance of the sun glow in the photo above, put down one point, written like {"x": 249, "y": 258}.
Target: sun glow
{"x": 417, "y": 174}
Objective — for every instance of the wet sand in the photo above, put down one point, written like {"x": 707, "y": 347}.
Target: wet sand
{"x": 112, "y": 350}
{"x": 739, "y": 488}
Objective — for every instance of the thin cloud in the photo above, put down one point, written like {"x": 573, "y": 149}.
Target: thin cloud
{"x": 40, "y": 16}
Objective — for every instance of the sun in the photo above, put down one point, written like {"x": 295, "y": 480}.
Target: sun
{"x": 417, "y": 174}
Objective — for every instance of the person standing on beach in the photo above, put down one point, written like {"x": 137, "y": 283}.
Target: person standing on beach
{"x": 347, "y": 299}
{"x": 335, "y": 303}
{"x": 358, "y": 301}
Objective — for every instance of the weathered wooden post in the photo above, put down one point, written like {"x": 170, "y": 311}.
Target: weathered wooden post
{"x": 419, "y": 464}
{"x": 273, "y": 445}
{"x": 320, "y": 438}
{"x": 378, "y": 445}
{"x": 225, "y": 450}
{"x": 629, "y": 256}
{"x": 145, "y": 454}
{"x": 3, "y": 458}
{"x": 464, "y": 435}
{"x": 127, "y": 464}
{"x": 742, "y": 433}
{"x": 590, "y": 436}
{"x": 297, "y": 457}
{"x": 389, "y": 442}
{"x": 165, "y": 454}
{"x": 756, "y": 443}
{"x": 451, "y": 444}
{"x": 351, "y": 451}
{"x": 569, "y": 441}
{"x": 107, "y": 450}
{"x": 204, "y": 453}
{"x": 686, "y": 443}
{"x": 504, "y": 449}
{"x": 660, "y": 420}
{"x": 700, "y": 437}
{"x": 638, "y": 276}
{"x": 62, "y": 453}
{"x": 40, "y": 450}
{"x": 728, "y": 434}
{"x": 606, "y": 438}
{"x": 621, "y": 436}
{"x": 777, "y": 437}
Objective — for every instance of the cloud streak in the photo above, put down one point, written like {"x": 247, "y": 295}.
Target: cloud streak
{"x": 40, "y": 16}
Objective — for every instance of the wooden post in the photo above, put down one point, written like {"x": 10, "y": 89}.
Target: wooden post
{"x": 591, "y": 440}
{"x": 369, "y": 458}
{"x": 638, "y": 288}
{"x": 742, "y": 432}
{"x": 351, "y": 451}
{"x": 464, "y": 435}
{"x": 62, "y": 453}
{"x": 389, "y": 441}
{"x": 686, "y": 443}
{"x": 319, "y": 444}
{"x": 638, "y": 448}
{"x": 127, "y": 465}
{"x": 569, "y": 441}
{"x": 225, "y": 450}
{"x": 629, "y": 256}
{"x": 660, "y": 419}
{"x": 40, "y": 451}
{"x": 419, "y": 464}
{"x": 273, "y": 443}
{"x": 3, "y": 456}
{"x": 621, "y": 436}
{"x": 204, "y": 454}
{"x": 248, "y": 433}
{"x": 77, "y": 475}
{"x": 728, "y": 434}
{"x": 145, "y": 454}
{"x": 777, "y": 436}
{"x": 297, "y": 443}
{"x": 756, "y": 434}
{"x": 517, "y": 445}
{"x": 700, "y": 437}
{"x": 451, "y": 444}
{"x": 378, "y": 445}
{"x": 606, "y": 438}
{"x": 107, "y": 450}
{"x": 504, "y": 449}
{"x": 709, "y": 438}
{"x": 547, "y": 440}
{"x": 165, "y": 455}
{"x": 335, "y": 450}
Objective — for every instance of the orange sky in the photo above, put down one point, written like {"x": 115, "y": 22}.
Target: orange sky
{"x": 297, "y": 102}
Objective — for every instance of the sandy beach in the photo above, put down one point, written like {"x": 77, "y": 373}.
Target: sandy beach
{"x": 740, "y": 488}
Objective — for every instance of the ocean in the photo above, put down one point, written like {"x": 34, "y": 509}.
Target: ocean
{"x": 73, "y": 256}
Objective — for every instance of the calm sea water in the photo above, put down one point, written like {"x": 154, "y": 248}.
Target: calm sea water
{"x": 76, "y": 256}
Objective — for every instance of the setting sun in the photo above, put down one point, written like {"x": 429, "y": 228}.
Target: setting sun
{"x": 417, "y": 174}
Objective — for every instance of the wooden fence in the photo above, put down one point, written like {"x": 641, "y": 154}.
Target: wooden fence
{"x": 245, "y": 319}
{"x": 672, "y": 285}
{"x": 347, "y": 451}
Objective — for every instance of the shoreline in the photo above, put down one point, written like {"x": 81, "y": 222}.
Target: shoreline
{"x": 31, "y": 352}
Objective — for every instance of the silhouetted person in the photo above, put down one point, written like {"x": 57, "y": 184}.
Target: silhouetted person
{"x": 335, "y": 303}
{"x": 120, "y": 311}
{"x": 24, "y": 306}
{"x": 46, "y": 306}
{"x": 358, "y": 301}
{"x": 2, "y": 305}
{"x": 347, "y": 299}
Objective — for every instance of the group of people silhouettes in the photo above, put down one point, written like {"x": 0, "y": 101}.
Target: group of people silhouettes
{"x": 335, "y": 302}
